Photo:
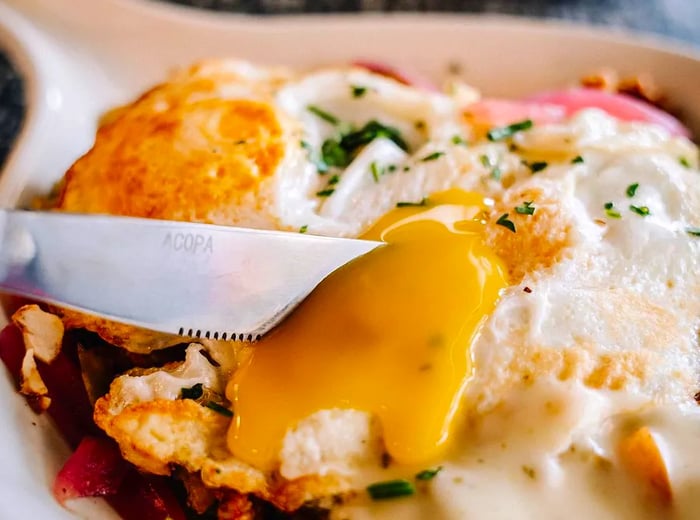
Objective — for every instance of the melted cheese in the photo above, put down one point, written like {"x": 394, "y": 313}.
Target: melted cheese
{"x": 389, "y": 334}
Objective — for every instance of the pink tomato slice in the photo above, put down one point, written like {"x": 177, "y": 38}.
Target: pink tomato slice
{"x": 621, "y": 106}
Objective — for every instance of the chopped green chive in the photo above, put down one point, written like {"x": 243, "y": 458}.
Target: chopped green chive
{"x": 320, "y": 164}
{"x": 422, "y": 202}
{"x": 504, "y": 132}
{"x": 693, "y": 231}
{"x": 334, "y": 180}
{"x": 537, "y": 166}
{"x": 526, "y": 208}
{"x": 407, "y": 168}
{"x": 325, "y": 193}
{"x": 577, "y": 160}
{"x": 390, "y": 489}
{"x": 496, "y": 173}
{"x": 371, "y": 131}
{"x": 303, "y": 229}
{"x": 376, "y": 170}
{"x": 391, "y": 168}
{"x": 329, "y": 118}
{"x": 632, "y": 189}
{"x": 485, "y": 161}
{"x": 333, "y": 153}
{"x": 610, "y": 210}
{"x": 305, "y": 145}
{"x": 457, "y": 140}
{"x": 193, "y": 392}
{"x": 219, "y": 409}
{"x": 684, "y": 162}
{"x": 642, "y": 211}
{"x": 357, "y": 91}
{"x": 432, "y": 156}
{"x": 503, "y": 221}
{"x": 428, "y": 474}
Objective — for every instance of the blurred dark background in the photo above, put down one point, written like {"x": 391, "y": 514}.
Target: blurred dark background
{"x": 677, "y": 19}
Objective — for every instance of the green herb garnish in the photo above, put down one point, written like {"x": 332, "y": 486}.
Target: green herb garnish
{"x": 526, "y": 208}
{"x": 537, "y": 166}
{"x": 391, "y": 168}
{"x": 496, "y": 173}
{"x": 219, "y": 409}
{"x": 428, "y": 474}
{"x": 632, "y": 189}
{"x": 390, "y": 489}
{"x": 321, "y": 165}
{"x": 503, "y": 221}
{"x": 329, "y": 118}
{"x": 376, "y": 170}
{"x": 357, "y": 91}
{"x": 457, "y": 140}
{"x": 333, "y": 153}
{"x": 325, "y": 193}
{"x": 334, "y": 180}
{"x": 432, "y": 156}
{"x": 577, "y": 160}
{"x": 485, "y": 161}
{"x": 193, "y": 392}
{"x": 351, "y": 141}
{"x": 504, "y": 132}
{"x": 642, "y": 211}
{"x": 303, "y": 229}
{"x": 422, "y": 202}
{"x": 693, "y": 231}
{"x": 610, "y": 210}
{"x": 684, "y": 162}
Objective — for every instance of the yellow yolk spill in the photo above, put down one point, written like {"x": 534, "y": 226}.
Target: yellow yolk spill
{"x": 389, "y": 333}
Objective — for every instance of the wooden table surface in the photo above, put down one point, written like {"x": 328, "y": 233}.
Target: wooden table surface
{"x": 678, "y": 19}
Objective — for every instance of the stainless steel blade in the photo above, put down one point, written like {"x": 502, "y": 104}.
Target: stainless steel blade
{"x": 195, "y": 280}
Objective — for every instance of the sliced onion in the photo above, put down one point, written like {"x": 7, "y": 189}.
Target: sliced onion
{"x": 95, "y": 469}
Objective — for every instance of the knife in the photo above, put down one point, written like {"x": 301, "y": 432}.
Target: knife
{"x": 195, "y": 280}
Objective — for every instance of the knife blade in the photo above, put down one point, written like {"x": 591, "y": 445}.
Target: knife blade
{"x": 195, "y": 280}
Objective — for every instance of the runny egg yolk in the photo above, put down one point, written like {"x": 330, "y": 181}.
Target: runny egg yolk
{"x": 389, "y": 334}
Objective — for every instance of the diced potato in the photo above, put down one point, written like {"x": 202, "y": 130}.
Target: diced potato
{"x": 42, "y": 332}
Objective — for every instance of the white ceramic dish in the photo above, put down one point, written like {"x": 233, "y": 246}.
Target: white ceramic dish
{"x": 81, "y": 57}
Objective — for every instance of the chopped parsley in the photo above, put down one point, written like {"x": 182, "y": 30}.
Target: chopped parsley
{"x": 333, "y": 154}
{"x": 642, "y": 211}
{"x": 496, "y": 173}
{"x": 537, "y": 166}
{"x": 334, "y": 180}
{"x": 351, "y": 141}
{"x": 610, "y": 210}
{"x": 504, "y": 132}
{"x": 505, "y": 222}
{"x": 422, "y": 202}
{"x": 526, "y": 208}
{"x": 457, "y": 140}
{"x": 377, "y": 171}
{"x": 577, "y": 160}
{"x": 684, "y": 161}
{"x": 485, "y": 161}
{"x": 632, "y": 189}
{"x": 193, "y": 392}
{"x": 303, "y": 229}
{"x": 357, "y": 91}
{"x": 219, "y": 409}
{"x": 693, "y": 231}
{"x": 432, "y": 156}
{"x": 325, "y": 193}
{"x": 428, "y": 474}
{"x": 390, "y": 489}
{"x": 329, "y": 118}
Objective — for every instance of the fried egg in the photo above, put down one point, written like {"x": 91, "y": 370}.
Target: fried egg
{"x": 526, "y": 342}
